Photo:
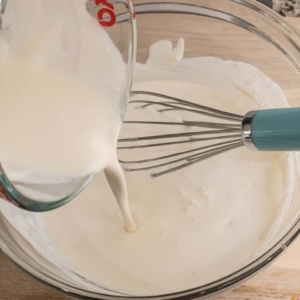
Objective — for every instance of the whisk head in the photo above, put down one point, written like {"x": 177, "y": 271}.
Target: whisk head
{"x": 164, "y": 134}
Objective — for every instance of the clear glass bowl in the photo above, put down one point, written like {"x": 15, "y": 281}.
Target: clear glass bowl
{"x": 232, "y": 30}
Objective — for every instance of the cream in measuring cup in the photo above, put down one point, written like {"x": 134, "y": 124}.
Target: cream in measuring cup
{"x": 63, "y": 84}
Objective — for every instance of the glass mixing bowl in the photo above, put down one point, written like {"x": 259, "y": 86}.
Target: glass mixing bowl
{"x": 28, "y": 192}
{"x": 231, "y": 30}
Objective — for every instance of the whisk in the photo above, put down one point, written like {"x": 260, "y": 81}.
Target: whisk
{"x": 264, "y": 130}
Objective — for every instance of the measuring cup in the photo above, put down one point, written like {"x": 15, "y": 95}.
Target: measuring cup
{"x": 40, "y": 196}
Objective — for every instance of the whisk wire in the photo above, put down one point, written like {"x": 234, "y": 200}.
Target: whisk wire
{"x": 200, "y": 158}
{"x": 176, "y": 135}
{"x": 221, "y": 114}
{"x": 189, "y": 123}
{"x": 189, "y": 160}
{"x": 180, "y": 153}
{"x": 173, "y": 142}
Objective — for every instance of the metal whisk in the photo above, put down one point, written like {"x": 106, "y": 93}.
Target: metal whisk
{"x": 265, "y": 130}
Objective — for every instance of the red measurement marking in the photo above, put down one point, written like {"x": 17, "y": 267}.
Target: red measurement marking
{"x": 105, "y": 3}
{"x": 106, "y": 14}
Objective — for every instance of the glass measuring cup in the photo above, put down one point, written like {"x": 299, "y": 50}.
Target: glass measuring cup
{"x": 39, "y": 195}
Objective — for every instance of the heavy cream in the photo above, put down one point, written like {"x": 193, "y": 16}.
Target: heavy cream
{"x": 63, "y": 90}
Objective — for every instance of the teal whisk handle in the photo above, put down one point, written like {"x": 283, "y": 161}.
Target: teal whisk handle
{"x": 272, "y": 129}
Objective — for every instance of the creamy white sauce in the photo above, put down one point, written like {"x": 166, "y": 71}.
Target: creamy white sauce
{"x": 195, "y": 225}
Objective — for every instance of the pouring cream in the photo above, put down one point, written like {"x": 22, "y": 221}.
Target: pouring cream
{"x": 63, "y": 85}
